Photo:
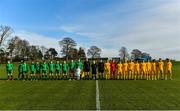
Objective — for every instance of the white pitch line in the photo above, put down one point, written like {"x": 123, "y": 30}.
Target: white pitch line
{"x": 97, "y": 97}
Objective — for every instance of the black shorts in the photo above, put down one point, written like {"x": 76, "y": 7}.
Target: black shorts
{"x": 71, "y": 71}
{"x": 101, "y": 71}
{"x": 94, "y": 72}
{"x": 86, "y": 70}
{"x": 64, "y": 72}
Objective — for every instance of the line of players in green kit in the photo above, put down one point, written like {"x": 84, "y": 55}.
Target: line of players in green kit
{"x": 44, "y": 71}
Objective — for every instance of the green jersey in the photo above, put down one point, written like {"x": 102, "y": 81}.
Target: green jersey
{"x": 58, "y": 67}
{"x": 20, "y": 68}
{"x": 32, "y": 68}
{"x": 72, "y": 65}
{"x": 44, "y": 67}
{"x": 25, "y": 68}
{"x": 80, "y": 65}
{"x": 51, "y": 67}
{"x": 64, "y": 67}
{"x": 9, "y": 67}
{"x": 38, "y": 67}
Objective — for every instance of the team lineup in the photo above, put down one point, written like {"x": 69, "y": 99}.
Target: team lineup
{"x": 77, "y": 70}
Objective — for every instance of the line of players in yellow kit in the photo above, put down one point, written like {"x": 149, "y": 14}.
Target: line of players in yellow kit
{"x": 133, "y": 70}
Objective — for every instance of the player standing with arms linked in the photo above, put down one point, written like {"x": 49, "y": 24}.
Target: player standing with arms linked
{"x": 86, "y": 69}
{"x": 153, "y": 70}
{"x": 94, "y": 69}
{"x": 143, "y": 70}
{"x": 79, "y": 65}
{"x": 65, "y": 70}
{"x": 20, "y": 70}
{"x": 32, "y": 71}
{"x": 38, "y": 70}
{"x": 100, "y": 69}
{"x": 119, "y": 71}
{"x": 72, "y": 69}
{"x": 131, "y": 69}
{"x": 51, "y": 70}
{"x": 107, "y": 67}
{"x": 125, "y": 70}
{"x": 160, "y": 69}
{"x": 168, "y": 69}
{"x": 58, "y": 67}
{"x": 136, "y": 70}
{"x": 113, "y": 70}
{"x": 44, "y": 70}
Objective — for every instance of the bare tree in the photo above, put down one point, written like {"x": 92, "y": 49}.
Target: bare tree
{"x": 67, "y": 44}
{"x": 24, "y": 49}
{"x": 81, "y": 53}
{"x": 123, "y": 53}
{"x": 5, "y": 32}
{"x": 43, "y": 50}
{"x": 35, "y": 52}
{"x": 94, "y": 52}
{"x": 73, "y": 53}
{"x": 51, "y": 53}
{"x": 12, "y": 45}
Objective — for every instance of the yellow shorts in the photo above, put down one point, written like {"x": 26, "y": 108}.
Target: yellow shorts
{"x": 168, "y": 71}
{"x": 119, "y": 71}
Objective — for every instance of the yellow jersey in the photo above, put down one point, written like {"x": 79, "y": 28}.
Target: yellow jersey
{"x": 148, "y": 66}
{"x": 136, "y": 66}
{"x": 143, "y": 66}
{"x": 160, "y": 65}
{"x": 107, "y": 66}
{"x": 153, "y": 64}
{"x": 168, "y": 66}
{"x": 119, "y": 66}
{"x": 131, "y": 66}
{"x": 125, "y": 66}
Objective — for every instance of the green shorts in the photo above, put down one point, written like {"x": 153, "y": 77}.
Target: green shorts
{"x": 64, "y": 71}
{"x": 38, "y": 72}
{"x": 51, "y": 72}
{"x": 32, "y": 72}
{"x": 57, "y": 71}
{"x": 24, "y": 73}
{"x": 44, "y": 72}
{"x": 9, "y": 72}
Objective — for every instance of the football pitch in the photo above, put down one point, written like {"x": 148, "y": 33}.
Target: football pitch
{"x": 82, "y": 95}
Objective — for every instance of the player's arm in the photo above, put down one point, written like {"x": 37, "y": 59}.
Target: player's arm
{"x": 27, "y": 68}
{"x": 12, "y": 66}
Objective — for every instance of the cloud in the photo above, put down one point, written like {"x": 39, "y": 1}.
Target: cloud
{"x": 47, "y": 41}
{"x": 38, "y": 39}
{"x": 78, "y": 31}
{"x": 153, "y": 27}
{"x": 158, "y": 34}
{"x": 109, "y": 52}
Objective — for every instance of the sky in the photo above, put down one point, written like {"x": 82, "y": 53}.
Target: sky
{"x": 152, "y": 26}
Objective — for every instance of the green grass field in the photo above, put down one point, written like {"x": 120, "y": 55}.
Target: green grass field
{"x": 81, "y": 95}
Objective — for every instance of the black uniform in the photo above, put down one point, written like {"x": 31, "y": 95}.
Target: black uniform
{"x": 86, "y": 66}
{"x": 101, "y": 67}
{"x": 94, "y": 67}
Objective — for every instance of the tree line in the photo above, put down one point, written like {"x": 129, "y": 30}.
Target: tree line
{"x": 15, "y": 48}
